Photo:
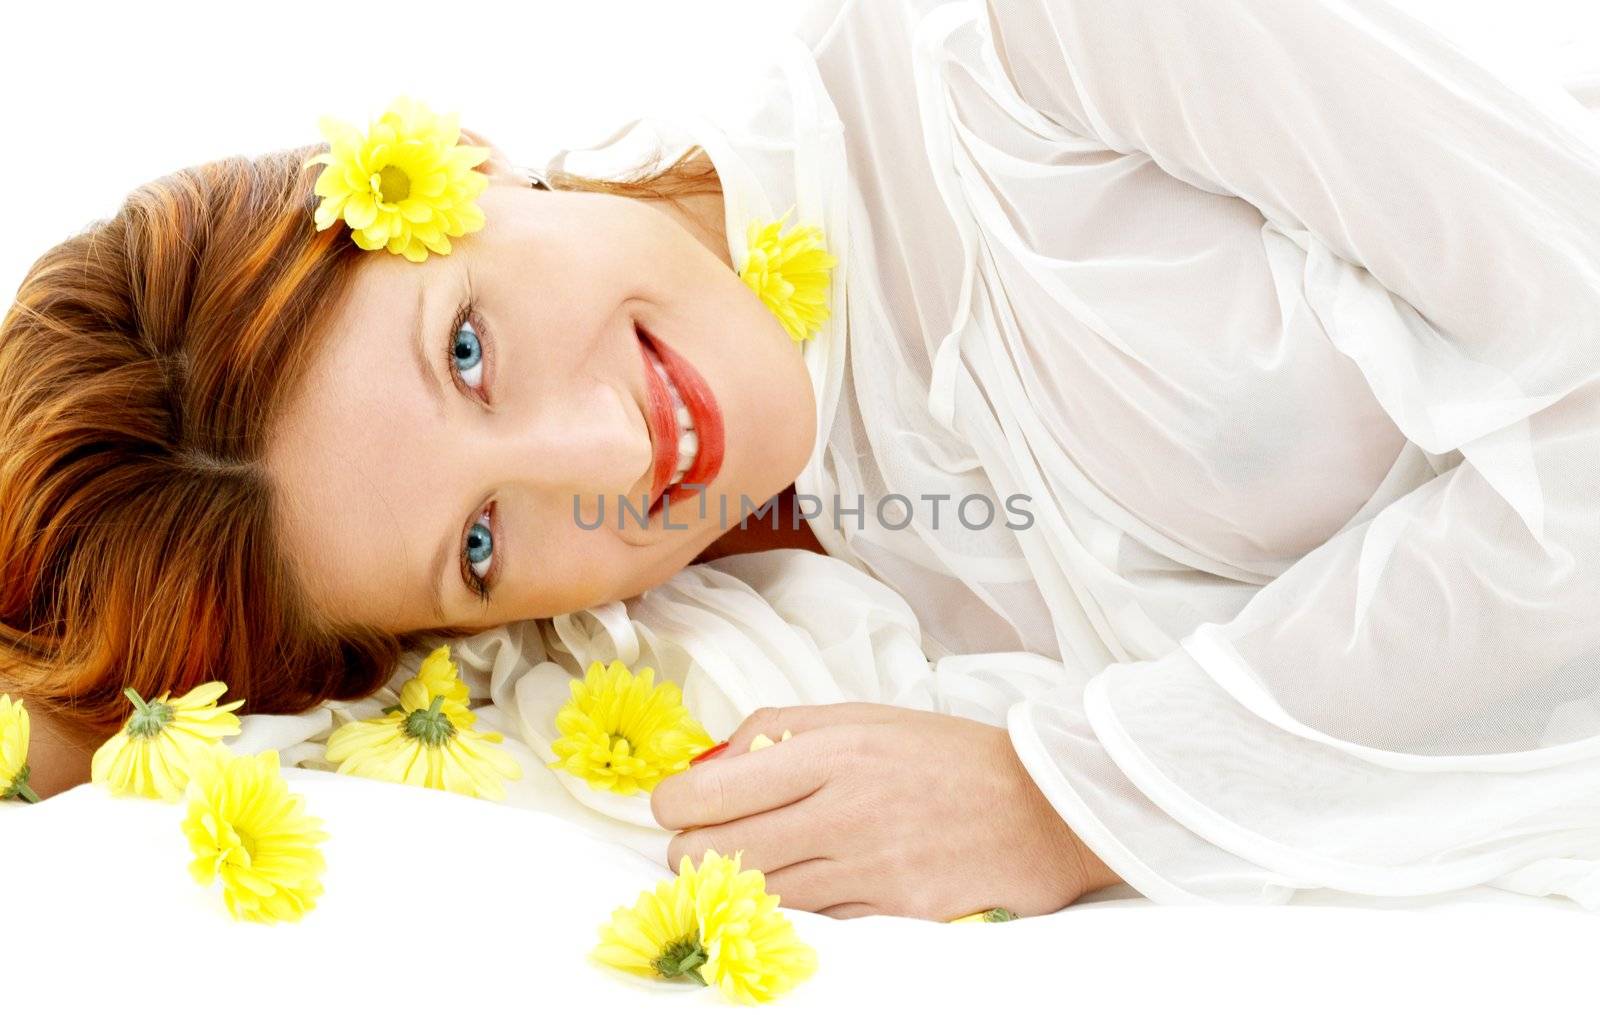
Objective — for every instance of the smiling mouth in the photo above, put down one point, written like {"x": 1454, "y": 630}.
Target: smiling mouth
{"x": 684, "y": 420}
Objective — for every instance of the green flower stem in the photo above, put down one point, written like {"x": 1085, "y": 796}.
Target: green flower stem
{"x": 430, "y": 725}
{"x": 683, "y": 958}
{"x": 19, "y": 788}
{"x": 148, "y": 719}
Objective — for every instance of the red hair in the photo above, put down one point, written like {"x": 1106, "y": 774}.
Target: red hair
{"x": 140, "y": 367}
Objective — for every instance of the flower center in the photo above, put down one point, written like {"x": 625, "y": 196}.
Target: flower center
{"x": 430, "y": 725}
{"x": 394, "y": 185}
{"x": 619, "y": 745}
{"x": 149, "y": 718}
{"x": 681, "y": 958}
{"x": 235, "y": 848}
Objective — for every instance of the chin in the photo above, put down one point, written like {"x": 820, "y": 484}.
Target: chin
{"x": 661, "y": 572}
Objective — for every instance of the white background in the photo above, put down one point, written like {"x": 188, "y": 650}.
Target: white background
{"x": 98, "y": 98}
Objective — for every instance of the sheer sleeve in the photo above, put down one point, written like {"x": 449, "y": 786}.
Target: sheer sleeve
{"x": 1411, "y": 707}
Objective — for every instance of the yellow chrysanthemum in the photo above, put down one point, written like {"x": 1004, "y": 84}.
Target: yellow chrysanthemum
{"x": 660, "y": 935}
{"x": 624, "y": 733}
{"x": 789, "y": 270}
{"x": 153, "y": 752}
{"x": 752, "y": 951}
{"x": 246, "y": 828}
{"x": 429, "y": 741}
{"x": 439, "y": 676}
{"x": 761, "y": 740}
{"x": 14, "y": 751}
{"x": 999, "y": 914}
{"x": 405, "y": 185}
{"x": 716, "y": 925}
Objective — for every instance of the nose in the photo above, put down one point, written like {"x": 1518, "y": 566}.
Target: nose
{"x": 589, "y": 440}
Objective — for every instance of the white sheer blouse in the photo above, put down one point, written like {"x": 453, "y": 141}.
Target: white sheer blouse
{"x": 1286, "y": 317}
{"x": 1283, "y": 320}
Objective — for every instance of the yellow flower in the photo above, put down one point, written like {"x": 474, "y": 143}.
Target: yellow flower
{"x": 153, "y": 752}
{"x": 999, "y": 914}
{"x": 789, "y": 270}
{"x": 752, "y": 952}
{"x": 716, "y": 925}
{"x": 246, "y": 828}
{"x": 405, "y": 185}
{"x": 439, "y": 676}
{"x": 14, "y": 751}
{"x": 761, "y": 740}
{"x": 620, "y": 733}
{"x": 660, "y": 935}
{"x": 429, "y": 741}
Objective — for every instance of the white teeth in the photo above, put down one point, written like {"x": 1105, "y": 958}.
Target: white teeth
{"x": 679, "y": 409}
{"x": 688, "y": 447}
{"x": 688, "y": 439}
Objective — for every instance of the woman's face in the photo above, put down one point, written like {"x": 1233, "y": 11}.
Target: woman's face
{"x": 428, "y": 453}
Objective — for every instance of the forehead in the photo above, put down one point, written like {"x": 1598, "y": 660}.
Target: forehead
{"x": 344, "y": 451}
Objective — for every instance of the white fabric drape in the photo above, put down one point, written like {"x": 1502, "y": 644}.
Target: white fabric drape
{"x": 1284, "y": 319}
{"x": 1410, "y": 706}
{"x": 1287, "y": 319}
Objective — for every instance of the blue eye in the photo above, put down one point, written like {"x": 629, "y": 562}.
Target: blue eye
{"x": 466, "y": 354}
{"x": 478, "y": 550}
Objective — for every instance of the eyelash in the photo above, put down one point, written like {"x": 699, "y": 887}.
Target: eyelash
{"x": 466, "y": 314}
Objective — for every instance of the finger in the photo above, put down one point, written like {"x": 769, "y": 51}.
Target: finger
{"x": 769, "y": 841}
{"x": 848, "y": 910}
{"x": 813, "y": 885}
{"x": 737, "y": 785}
{"x": 798, "y": 719}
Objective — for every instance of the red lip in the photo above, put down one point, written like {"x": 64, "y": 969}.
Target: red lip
{"x": 702, "y": 406}
{"x": 663, "y": 425}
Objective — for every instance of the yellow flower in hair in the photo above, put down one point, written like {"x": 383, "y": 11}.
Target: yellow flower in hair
{"x": 405, "y": 185}
{"x": 624, "y": 733}
{"x": 246, "y": 829}
{"x": 428, "y": 741}
{"x": 789, "y": 269}
{"x": 153, "y": 752}
{"x": 14, "y": 751}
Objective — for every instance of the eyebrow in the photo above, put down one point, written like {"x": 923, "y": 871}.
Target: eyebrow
{"x": 430, "y": 381}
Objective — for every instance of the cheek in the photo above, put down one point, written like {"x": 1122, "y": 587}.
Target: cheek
{"x": 577, "y": 570}
{"x": 771, "y": 387}
{"x": 785, "y": 410}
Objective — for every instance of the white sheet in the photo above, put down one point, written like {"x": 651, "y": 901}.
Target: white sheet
{"x": 438, "y": 902}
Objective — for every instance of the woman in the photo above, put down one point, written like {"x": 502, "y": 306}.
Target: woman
{"x": 1247, "y": 348}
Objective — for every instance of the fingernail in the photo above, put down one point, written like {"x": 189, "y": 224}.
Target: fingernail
{"x": 709, "y": 753}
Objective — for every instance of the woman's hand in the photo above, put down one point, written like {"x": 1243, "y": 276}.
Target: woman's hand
{"x": 877, "y": 809}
